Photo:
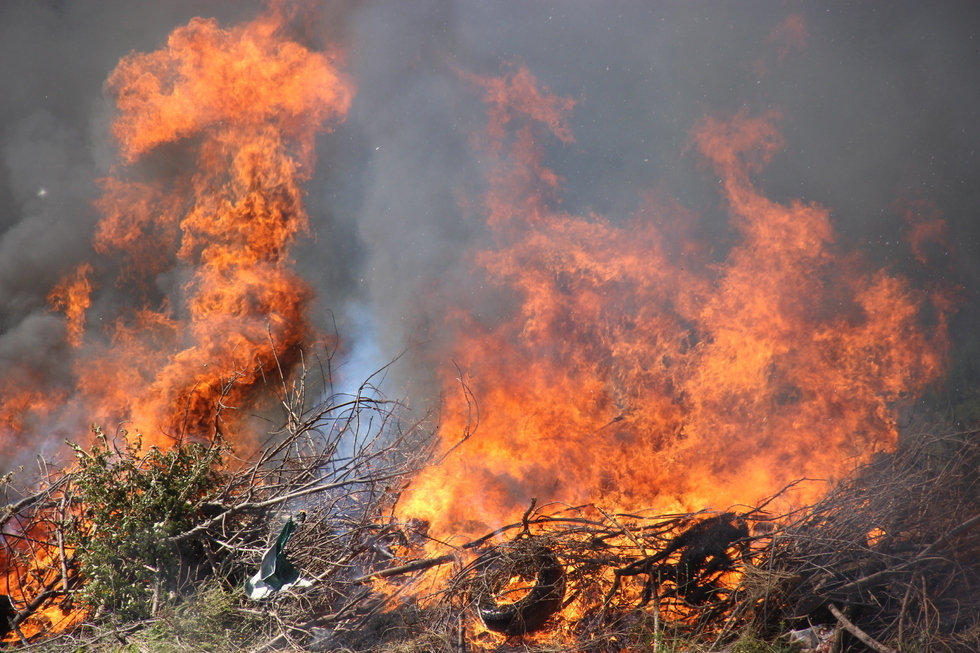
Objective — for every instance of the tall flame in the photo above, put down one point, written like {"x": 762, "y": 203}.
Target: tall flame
{"x": 632, "y": 370}
{"x": 213, "y": 303}
{"x": 201, "y": 256}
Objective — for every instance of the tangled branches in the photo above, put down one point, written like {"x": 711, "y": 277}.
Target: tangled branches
{"x": 128, "y": 539}
{"x": 622, "y": 577}
{"x": 126, "y": 534}
{"x": 886, "y": 561}
{"x": 892, "y": 550}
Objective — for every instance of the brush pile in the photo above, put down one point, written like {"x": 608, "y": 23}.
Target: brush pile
{"x": 127, "y": 536}
{"x": 886, "y": 561}
{"x": 893, "y": 552}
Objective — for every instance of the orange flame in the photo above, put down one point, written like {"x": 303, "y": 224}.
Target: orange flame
{"x": 203, "y": 257}
{"x": 255, "y": 102}
{"x": 73, "y": 296}
{"x": 631, "y": 370}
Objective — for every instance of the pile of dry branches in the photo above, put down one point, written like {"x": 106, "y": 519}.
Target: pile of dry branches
{"x": 624, "y": 578}
{"x": 339, "y": 460}
{"x": 890, "y": 554}
{"x": 886, "y": 560}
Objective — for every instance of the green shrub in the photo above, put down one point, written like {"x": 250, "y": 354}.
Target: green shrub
{"x": 132, "y": 502}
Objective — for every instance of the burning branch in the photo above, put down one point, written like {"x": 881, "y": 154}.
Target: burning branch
{"x": 860, "y": 552}
{"x": 713, "y": 579}
{"x": 128, "y": 531}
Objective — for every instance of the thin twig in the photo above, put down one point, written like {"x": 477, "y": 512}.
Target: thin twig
{"x": 417, "y": 565}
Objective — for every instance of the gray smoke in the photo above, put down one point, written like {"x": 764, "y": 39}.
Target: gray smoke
{"x": 879, "y": 104}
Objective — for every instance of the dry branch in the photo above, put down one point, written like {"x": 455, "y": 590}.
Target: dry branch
{"x": 894, "y": 546}
{"x": 340, "y": 458}
{"x": 417, "y": 565}
{"x": 895, "y": 542}
{"x": 857, "y": 632}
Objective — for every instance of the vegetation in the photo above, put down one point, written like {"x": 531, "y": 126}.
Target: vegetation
{"x": 136, "y": 502}
{"x": 142, "y": 547}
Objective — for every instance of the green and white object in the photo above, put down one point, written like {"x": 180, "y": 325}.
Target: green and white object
{"x": 276, "y": 572}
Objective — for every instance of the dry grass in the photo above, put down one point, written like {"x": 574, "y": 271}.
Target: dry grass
{"x": 894, "y": 548}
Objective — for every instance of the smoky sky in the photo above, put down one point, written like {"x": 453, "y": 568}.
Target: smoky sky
{"x": 879, "y": 107}
{"x": 878, "y": 103}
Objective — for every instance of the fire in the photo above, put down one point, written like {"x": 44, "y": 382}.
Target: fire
{"x": 629, "y": 365}
{"x": 633, "y": 367}
{"x": 213, "y": 305}
{"x": 73, "y": 295}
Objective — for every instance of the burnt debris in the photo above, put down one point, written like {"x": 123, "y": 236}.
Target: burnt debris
{"x": 706, "y": 549}
{"x": 528, "y": 562}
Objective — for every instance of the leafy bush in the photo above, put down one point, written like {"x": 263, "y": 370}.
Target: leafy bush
{"x": 134, "y": 501}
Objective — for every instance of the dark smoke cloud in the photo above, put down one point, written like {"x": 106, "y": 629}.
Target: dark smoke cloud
{"x": 880, "y": 105}
{"x": 54, "y": 145}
